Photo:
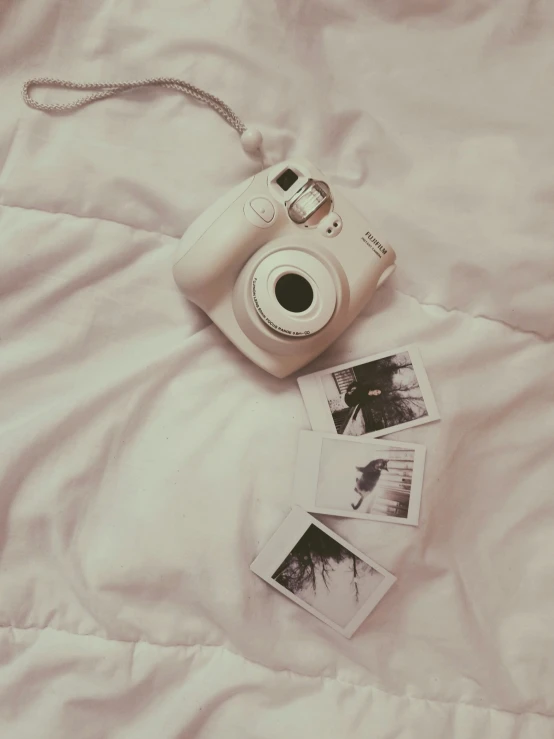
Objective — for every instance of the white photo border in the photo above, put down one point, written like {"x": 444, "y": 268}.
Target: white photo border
{"x": 283, "y": 542}
{"x": 317, "y": 405}
{"x": 306, "y": 476}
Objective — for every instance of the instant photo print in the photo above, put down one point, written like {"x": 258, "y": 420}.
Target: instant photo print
{"x": 357, "y": 477}
{"x": 373, "y": 396}
{"x": 322, "y": 573}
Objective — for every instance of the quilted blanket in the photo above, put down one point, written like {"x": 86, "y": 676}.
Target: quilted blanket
{"x": 144, "y": 462}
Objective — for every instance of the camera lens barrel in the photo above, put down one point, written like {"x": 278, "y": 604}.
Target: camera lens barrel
{"x": 293, "y": 292}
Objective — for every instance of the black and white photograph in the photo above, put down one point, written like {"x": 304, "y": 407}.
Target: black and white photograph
{"x": 322, "y": 573}
{"x": 359, "y": 477}
{"x": 373, "y": 396}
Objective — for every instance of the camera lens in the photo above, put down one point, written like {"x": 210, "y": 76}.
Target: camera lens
{"x": 294, "y": 293}
{"x": 287, "y": 179}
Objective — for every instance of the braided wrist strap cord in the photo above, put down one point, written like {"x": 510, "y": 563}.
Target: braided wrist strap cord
{"x": 251, "y": 138}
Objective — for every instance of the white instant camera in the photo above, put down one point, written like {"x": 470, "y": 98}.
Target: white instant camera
{"x": 282, "y": 264}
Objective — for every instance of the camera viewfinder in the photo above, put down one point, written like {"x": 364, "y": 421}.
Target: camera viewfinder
{"x": 287, "y": 179}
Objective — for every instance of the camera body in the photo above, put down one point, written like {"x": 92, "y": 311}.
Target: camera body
{"x": 282, "y": 264}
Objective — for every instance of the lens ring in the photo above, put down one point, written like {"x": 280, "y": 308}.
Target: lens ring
{"x": 314, "y": 308}
{"x": 294, "y": 293}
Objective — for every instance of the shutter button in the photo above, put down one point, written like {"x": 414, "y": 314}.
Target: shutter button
{"x": 264, "y": 208}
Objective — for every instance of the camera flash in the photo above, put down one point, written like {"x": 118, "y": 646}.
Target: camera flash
{"x": 306, "y": 202}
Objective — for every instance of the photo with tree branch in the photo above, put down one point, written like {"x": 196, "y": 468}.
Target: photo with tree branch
{"x": 327, "y": 576}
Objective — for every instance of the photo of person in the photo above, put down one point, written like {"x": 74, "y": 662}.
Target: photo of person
{"x": 357, "y": 477}
{"x": 375, "y": 395}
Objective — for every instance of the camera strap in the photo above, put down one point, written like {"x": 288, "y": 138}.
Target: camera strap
{"x": 251, "y": 138}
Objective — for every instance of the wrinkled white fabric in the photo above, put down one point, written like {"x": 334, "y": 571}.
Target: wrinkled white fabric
{"x": 144, "y": 462}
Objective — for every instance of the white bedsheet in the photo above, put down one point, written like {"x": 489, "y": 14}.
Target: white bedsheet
{"x": 144, "y": 462}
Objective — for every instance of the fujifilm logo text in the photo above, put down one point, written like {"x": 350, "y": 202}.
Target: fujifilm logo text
{"x": 369, "y": 239}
